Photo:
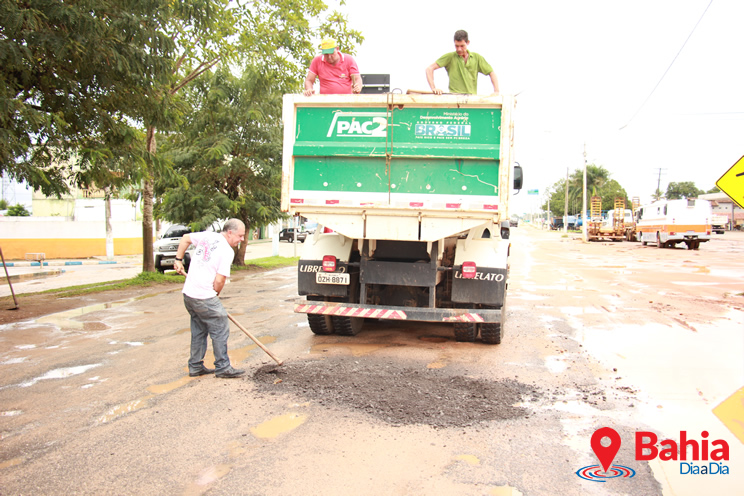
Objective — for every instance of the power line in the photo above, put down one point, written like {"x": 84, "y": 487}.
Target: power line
{"x": 669, "y": 67}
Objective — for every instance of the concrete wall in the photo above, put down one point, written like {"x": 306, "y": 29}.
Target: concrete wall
{"x": 58, "y": 237}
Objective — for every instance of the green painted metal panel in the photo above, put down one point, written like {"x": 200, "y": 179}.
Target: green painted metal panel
{"x": 348, "y": 174}
{"x": 411, "y": 132}
{"x": 442, "y": 151}
{"x": 415, "y": 176}
{"x": 445, "y": 177}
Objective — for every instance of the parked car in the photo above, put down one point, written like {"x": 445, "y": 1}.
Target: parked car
{"x": 288, "y": 234}
{"x": 166, "y": 247}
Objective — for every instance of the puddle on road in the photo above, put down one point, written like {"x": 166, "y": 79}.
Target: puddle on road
{"x": 124, "y": 409}
{"x": 471, "y": 460}
{"x": 555, "y": 364}
{"x": 277, "y": 426}
{"x": 356, "y": 349}
{"x": 167, "y": 388}
{"x": 11, "y": 463}
{"x": 66, "y": 319}
{"x": 60, "y": 374}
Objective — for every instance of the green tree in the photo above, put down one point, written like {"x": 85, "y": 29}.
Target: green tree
{"x": 609, "y": 192}
{"x": 275, "y": 35}
{"x": 685, "y": 189}
{"x": 75, "y": 75}
{"x": 714, "y": 189}
{"x": 18, "y": 210}
{"x": 229, "y": 151}
{"x": 598, "y": 183}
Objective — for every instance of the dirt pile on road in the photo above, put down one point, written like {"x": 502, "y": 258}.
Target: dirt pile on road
{"x": 397, "y": 394}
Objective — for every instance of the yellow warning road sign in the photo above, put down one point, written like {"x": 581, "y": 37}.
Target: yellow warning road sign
{"x": 731, "y": 413}
{"x": 732, "y": 182}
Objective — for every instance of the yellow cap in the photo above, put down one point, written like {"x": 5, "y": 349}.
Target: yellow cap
{"x": 328, "y": 45}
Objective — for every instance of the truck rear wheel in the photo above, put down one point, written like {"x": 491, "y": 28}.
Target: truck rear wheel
{"x": 347, "y": 326}
{"x": 465, "y": 332}
{"x": 320, "y": 324}
{"x": 491, "y": 332}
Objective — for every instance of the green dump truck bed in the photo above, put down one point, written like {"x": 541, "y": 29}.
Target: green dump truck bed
{"x": 399, "y": 167}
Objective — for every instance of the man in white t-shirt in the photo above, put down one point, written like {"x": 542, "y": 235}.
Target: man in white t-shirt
{"x": 208, "y": 272}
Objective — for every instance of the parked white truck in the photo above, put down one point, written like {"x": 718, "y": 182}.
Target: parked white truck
{"x": 411, "y": 196}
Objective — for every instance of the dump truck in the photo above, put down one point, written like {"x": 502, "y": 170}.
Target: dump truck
{"x": 411, "y": 196}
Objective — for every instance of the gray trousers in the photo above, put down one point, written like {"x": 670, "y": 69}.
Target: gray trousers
{"x": 208, "y": 318}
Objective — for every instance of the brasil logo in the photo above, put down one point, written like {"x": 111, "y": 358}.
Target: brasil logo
{"x": 462, "y": 130}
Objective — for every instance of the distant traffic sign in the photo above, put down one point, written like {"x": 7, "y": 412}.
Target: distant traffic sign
{"x": 732, "y": 182}
{"x": 535, "y": 192}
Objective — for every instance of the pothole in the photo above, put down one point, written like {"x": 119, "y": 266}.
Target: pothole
{"x": 398, "y": 394}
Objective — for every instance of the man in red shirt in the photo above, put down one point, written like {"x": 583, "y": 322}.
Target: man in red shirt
{"x": 338, "y": 72}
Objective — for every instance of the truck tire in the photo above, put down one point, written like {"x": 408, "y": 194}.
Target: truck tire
{"x": 465, "y": 332}
{"x": 491, "y": 332}
{"x": 347, "y": 326}
{"x": 321, "y": 325}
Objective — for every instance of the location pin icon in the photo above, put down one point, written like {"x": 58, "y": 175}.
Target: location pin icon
{"x": 606, "y": 454}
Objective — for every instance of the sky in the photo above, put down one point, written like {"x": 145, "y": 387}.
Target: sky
{"x": 605, "y": 76}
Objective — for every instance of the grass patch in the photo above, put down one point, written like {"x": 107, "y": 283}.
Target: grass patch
{"x": 141, "y": 280}
{"x": 147, "y": 279}
{"x": 268, "y": 263}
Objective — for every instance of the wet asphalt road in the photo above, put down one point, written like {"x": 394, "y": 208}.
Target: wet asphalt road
{"x": 98, "y": 400}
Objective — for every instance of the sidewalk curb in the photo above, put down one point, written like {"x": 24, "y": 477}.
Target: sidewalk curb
{"x": 35, "y": 275}
{"x": 59, "y": 263}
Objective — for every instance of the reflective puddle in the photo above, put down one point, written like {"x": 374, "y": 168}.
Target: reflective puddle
{"x": 469, "y": 459}
{"x": 278, "y": 425}
{"x": 167, "y": 388}
{"x": 356, "y": 349}
{"x": 66, "y": 319}
{"x": 124, "y": 409}
{"x": 11, "y": 463}
{"x": 62, "y": 373}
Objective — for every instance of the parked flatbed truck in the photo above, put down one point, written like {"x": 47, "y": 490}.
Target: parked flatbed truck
{"x": 411, "y": 196}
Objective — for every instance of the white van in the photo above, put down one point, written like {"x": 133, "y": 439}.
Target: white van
{"x": 668, "y": 222}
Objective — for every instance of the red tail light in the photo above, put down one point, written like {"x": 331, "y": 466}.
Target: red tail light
{"x": 468, "y": 270}
{"x": 329, "y": 263}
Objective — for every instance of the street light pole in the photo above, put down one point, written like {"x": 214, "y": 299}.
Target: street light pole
{"x": 565, "y": 208}
{"x": 583, "y": 203}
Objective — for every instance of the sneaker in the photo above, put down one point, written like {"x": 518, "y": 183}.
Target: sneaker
{"x": 203, "y": 371}
{"x": 230, "y": 373}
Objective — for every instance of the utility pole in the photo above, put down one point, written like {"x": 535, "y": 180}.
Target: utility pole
{"x": 565, "y": 209}
{"x": 657, "y": 193}
{"x": 583, "y": 202}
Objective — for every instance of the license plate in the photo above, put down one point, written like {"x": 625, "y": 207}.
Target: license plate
{"x": 332, "y": 278}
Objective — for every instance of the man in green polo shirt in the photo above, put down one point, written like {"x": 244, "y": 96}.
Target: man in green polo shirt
{"x": 463, "y": 68}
